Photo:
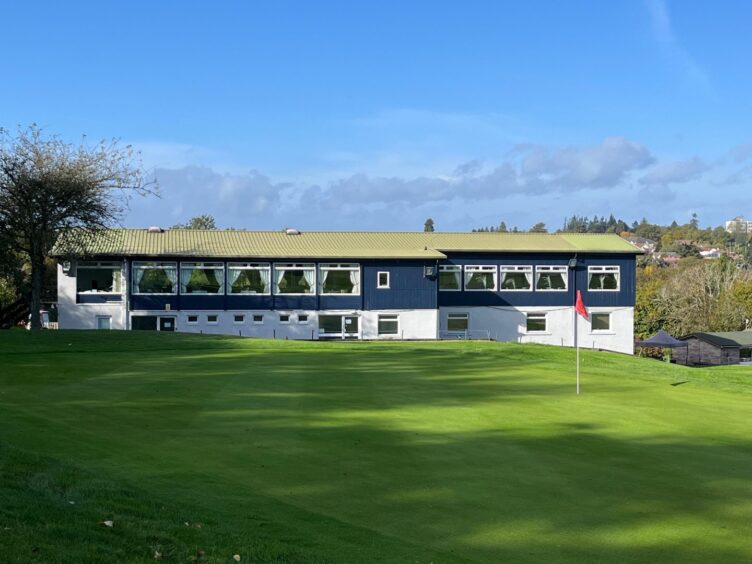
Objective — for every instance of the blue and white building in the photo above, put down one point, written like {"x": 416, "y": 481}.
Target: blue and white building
{"x": 353, "y": 285}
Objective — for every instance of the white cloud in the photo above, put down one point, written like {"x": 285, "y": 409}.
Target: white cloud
{"x": 672, "y": 49}
{"x": 677, "y": 172}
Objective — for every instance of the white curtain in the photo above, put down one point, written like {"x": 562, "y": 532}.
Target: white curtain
{"x": 323, "y": 275}
{"x": 138, "y": 275}
{"x": 232, "y": 276}
{"x": 529, "y": 278}
{"x": 185, "y": 278}
{"x": 280, "y": 276}
{"x": 172, "y": 274}
{"x": 355, "y": 279}
{"x": 264, "y": 275}
{"x": 309, "y": 275}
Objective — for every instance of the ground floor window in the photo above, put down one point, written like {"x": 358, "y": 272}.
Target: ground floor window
{"x": 212, "y": 319}
{"x": 600, "y": 321}
{"x": 536, "y": 323}
{"x": 303, "y": 318}
{"x": 388, "y": 324}
{"x": 345, "y": 326}
{"x": 144, "y": 322}
{"x": 193, "y": 319}
{"x": 457, "y": 321}
{"x": 104, "y": 323}
{"x": 284, "y": 318}
{"x": 258, "y": 318}
{"x": 238, "y": 318}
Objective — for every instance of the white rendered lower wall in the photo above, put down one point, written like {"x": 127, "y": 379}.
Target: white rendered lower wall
{"x": 412, "y": 324}
{"x": 510, "y": 324}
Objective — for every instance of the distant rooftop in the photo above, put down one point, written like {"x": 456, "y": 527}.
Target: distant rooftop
{"x": 332, "y": 244}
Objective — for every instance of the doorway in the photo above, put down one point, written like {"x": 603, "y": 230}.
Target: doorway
{"x": 339, "y": 327}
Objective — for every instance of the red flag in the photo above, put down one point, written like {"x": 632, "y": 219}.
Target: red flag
{"x": 580, "y": 306}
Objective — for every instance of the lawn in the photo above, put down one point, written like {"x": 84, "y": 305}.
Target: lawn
{"x": 201, "y": 448}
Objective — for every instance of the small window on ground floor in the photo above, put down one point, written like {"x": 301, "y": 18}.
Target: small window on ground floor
{"x": 238, "y": 318}
{"x": 193, "y": 319}
{"x": 284, "y": 318}
{"x": 388, "y": 324}
{"x": 536, "y": 323}
{"x": 600, "y": 321}
{"x": 457, "y": 321}
{"x": 104, "y": 323}
{"x": 258, "y": 318}
{"x": 303, "y": 318}
{"x": 212, "y": 318}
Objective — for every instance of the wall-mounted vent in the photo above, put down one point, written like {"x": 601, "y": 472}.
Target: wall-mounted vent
{"x": 292, "y": 231}
{"x": 154, "y": 229}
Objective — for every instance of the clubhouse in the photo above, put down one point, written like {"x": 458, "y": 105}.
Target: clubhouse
{"x": 290, "y": 284}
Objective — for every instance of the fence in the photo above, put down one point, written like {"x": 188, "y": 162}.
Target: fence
{"x": 469, "y": 335}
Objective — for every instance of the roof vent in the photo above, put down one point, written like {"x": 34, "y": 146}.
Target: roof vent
{"x": 154, "y": 229}
{"x": 292, "y": 231}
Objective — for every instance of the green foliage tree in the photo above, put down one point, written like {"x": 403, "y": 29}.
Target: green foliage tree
{"x": 51, "y": 190}
{"x": 204, "y": 221}
{"x": 428, "y": 226}
{"x": 539, "y": 227}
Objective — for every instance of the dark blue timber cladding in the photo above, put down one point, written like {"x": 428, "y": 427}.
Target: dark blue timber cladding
{"x": 409, "y": 288}
{"x": 142, "y": 302}
{"x": 624, "y": 297}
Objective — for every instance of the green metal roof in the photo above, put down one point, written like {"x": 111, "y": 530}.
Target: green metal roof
{"x": 725, "y": 338}
{"x": 332, "y": 244}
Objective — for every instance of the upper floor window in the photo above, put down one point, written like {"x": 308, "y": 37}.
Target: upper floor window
{"x": 551, "y": 278}
{"x": 480, "y": 277}
{"x": 99, "y": 278}
{"x": 155, "y": 278}
{"x": 450, "y": 276}
{"x": 516, "y": 277}
{"x": 339, "y": 279}
{"x": 382, "y": 280}
{"x": 202, "y": 278}
{"x": 294, "y": 279}
{"x": 603, "y": 278}
{"x": 249, "y": 278}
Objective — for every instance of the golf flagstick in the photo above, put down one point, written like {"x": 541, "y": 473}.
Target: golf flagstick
{"x": 579, "y": 308}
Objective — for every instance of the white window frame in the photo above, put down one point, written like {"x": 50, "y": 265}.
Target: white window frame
{"x": 379, "y": 285}
{"x": 116, "y": 267}
{"x": 537, "y": 314}
{"x": 235, "y": 318}
{"x": 154, "y": 265}
{"x": 609, "y": 331}
{"x": 545, "y": 268}
{"x": 259, "y": 322}
{"x": 216, "y": 319}
{"x": 188, "y": 319}
{"x": 303, "y": 321}
{"x": 458, "y": 315}
{"x": 524, "y": 268}
{"x": 203, "y": 266}
{"x": 285, "y": 322}
{"x": 483, "y": 268}
{"x": 330, "y": 266}
{"x": 395, "y": 317}
{"x": 109, "y": 321}
{"x": 249, "y": 266}
{"x": 294, "y": 266}
{"x": 451, "y": 268}
{"x": 603, "y": 269}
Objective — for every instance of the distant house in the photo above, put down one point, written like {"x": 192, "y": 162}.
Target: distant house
{"x": 645, "y": 245}
{"x": 669, "y": 257}
{"x": 708, "y": 349}
{"x": 711, "y": 254}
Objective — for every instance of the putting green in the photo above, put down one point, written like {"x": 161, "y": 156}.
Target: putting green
{"x": 397, "y": 452}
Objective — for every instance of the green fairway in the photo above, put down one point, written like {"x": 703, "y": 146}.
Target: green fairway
{"x": 206, "y": 447}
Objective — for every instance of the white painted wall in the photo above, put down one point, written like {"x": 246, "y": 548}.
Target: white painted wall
{"x": 509, "y": 324}
{"x": 83, "y": 316}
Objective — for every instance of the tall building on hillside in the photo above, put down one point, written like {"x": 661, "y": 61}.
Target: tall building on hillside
{"x": 353, "y": 285}
{"x": 739, "y": 225}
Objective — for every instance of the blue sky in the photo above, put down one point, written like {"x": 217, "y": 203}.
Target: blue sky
{"x": 355, "y": 115}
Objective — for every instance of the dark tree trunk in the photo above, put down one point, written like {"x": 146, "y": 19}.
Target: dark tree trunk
{"x": 37, "y": 281}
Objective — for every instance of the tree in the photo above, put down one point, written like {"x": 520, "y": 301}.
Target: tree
{"x": 204, "y": 221}
{"x": 428, "y": 226}
{"x": 539, "y": 227}
{"x": 52, "y": 190}
{"x": 503, "y": 227}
